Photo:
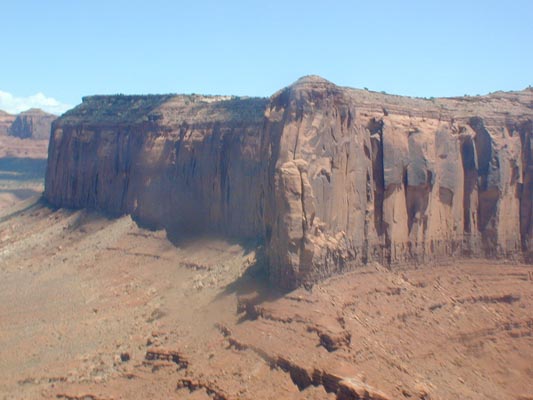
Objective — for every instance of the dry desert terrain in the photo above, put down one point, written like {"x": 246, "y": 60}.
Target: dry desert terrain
{"x": 97, "y": 308}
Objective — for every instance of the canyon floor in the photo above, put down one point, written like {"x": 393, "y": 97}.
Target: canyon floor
{"x": 95, "y": 308}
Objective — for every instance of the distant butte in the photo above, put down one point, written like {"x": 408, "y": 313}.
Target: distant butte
{"x": 32, "y": 124}
{"x": 328, "y": 178}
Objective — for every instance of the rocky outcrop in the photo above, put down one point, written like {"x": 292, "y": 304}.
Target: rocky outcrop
{"x": 32, "y": 124}
{"x": 329, "y": 178}
{"x": 6, "y": 120}
{"x": 357, "y": 176}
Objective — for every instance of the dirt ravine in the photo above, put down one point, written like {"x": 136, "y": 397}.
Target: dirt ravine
{"x": 93, "y": 308}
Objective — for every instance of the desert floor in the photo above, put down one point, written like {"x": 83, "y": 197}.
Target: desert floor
{"x": 96, "y": 308}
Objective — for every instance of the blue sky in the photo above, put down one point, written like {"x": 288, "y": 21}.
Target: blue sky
{"x": 63, "y": 50}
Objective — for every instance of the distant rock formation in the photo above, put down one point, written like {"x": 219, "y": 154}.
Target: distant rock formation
{"x": 32, "y": 124}
{"x": 6, "y": 120}
{"x": 329, "y": 178}
{"x": 25, "y": 135}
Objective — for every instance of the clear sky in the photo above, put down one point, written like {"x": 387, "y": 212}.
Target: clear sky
{"x": 58, "y": 51}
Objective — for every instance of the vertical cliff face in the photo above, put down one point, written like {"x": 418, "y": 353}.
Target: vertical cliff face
{"x": 318, "y": 205}
{"x": 329, "y": 178}
{"x": 526, "y": 189}
{"x": 357, "y": 176}
{"x": 185, "y": 163}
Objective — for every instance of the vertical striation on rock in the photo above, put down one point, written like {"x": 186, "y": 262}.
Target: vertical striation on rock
{"x": 186, "y": 163}
{"x": 328, "y": 177}
{"x": 356, "y": 176}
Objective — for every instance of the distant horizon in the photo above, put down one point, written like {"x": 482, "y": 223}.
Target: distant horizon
{"x": 66, "y": 50}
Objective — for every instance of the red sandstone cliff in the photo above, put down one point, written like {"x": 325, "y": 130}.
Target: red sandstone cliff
{"x": 357, "y": 176}
{"x": 328, "y": 177}
{"x": 186, "y": 163}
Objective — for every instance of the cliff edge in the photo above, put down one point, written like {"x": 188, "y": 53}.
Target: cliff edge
{"x": 329, "y": 178}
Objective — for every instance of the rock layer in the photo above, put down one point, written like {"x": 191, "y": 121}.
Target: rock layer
{"x": 329, "y": 178}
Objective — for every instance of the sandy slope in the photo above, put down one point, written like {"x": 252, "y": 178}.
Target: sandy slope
{"x": 92, "y": 308}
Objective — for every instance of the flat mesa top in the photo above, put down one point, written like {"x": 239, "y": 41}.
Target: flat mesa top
{"x": 497, "y": 105}
{"x": 166, "y": 109}
{"x": 169, "y": 109}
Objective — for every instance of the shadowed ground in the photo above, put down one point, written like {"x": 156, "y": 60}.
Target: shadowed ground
{"x": 20, "y": 178}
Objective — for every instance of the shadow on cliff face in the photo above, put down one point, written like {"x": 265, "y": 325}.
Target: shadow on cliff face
{"x": 488, "y": 183}
{"x": 526, "y": 188}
